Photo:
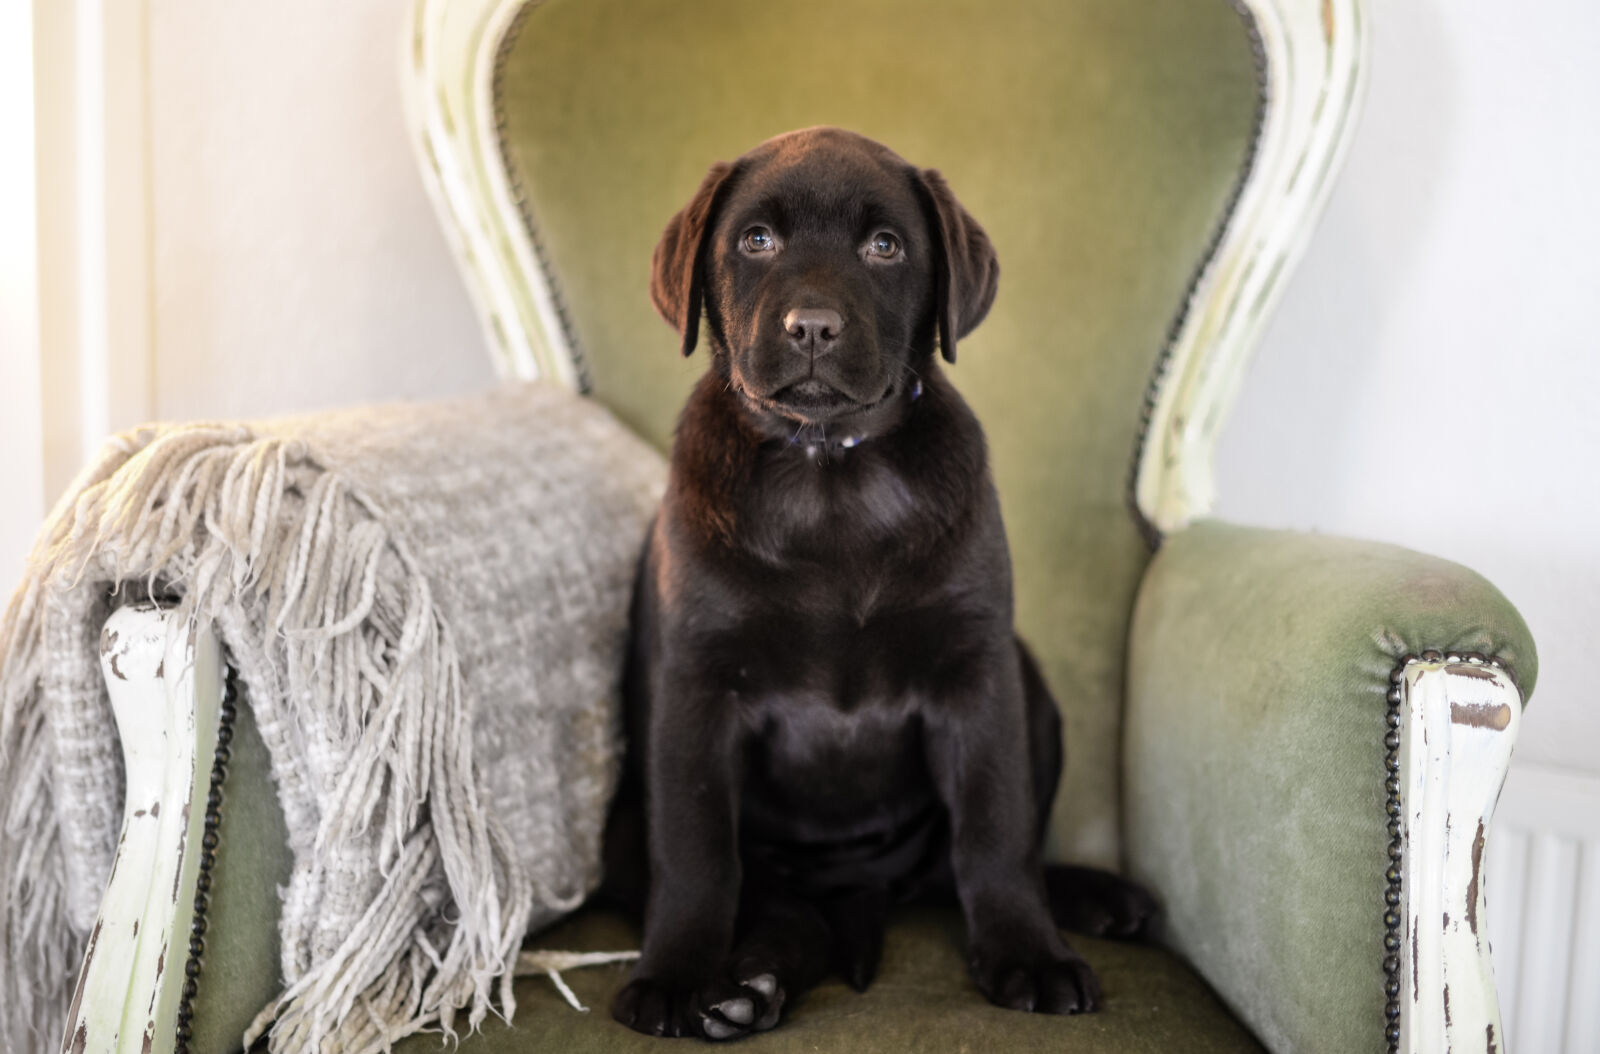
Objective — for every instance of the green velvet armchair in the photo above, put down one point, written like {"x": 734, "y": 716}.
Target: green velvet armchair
{"x": 1295, "y": 740}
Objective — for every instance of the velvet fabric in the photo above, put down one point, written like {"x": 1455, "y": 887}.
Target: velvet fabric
{"x": 242, "y": 974}
{"x": 1254, "y": 790}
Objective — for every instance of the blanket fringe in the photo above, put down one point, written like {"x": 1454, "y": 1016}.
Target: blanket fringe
{"x": 551, "y": 962}
{"x": 334, "y": 610}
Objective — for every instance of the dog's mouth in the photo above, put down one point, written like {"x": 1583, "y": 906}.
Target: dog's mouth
{"x": 811, "y": 394}
{"x": 813, "y": 401}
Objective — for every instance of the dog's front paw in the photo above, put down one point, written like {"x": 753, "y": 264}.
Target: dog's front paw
{"x": 715, "y": 1009}
{"x": 1049, "y": 985}
{"x": 656, "y": 1008}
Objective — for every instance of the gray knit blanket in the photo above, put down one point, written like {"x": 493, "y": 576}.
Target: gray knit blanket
{"x": 427, "y": 604}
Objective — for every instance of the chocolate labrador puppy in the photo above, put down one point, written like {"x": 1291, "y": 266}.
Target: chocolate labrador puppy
{"x": 827, "y": 708}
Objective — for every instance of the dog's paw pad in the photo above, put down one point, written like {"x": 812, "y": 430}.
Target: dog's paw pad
{"x": 765, "y": 991}
{"x": 715, "y": 1029}
{"x": 765, "y": 983}
{"x": 740, "y": 1011}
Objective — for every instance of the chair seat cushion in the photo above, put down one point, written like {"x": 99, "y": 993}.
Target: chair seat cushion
{"x": 922, "y": 1001}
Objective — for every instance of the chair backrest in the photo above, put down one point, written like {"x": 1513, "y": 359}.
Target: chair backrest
{"x": 1102, "y": 144}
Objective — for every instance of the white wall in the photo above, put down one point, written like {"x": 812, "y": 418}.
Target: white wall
{"x": 230, "y": 224}
{"x": 1432, "y": 375}
{"x": 21, "y": 428}
{"x": 296, "y": 261}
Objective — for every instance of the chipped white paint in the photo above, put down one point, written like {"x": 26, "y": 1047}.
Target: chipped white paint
{"x": 447, "y": 82}
{"x": 165, "y": 684}
{"x": 1459, "y": 722}
{"x": 1316, "y": 58}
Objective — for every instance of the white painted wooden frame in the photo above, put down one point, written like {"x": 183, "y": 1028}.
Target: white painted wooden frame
{"x": 1315, "y": 56}
{"x": 448, "y": 84}
{"x": 164, "y": 678}
{"x": 1459, "y": 721}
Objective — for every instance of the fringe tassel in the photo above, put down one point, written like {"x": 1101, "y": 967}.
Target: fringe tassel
{"x": 551, "y": 963}
{"x": 357, "y": 683}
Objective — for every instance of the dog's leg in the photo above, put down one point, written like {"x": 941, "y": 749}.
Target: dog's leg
{"x": 1017, "y": 955}
{"x": 857, "y": 920}
{"x": 625, "y": 851}
{"x": 1082, "y": 899}
{"x": 1046, "y": 752}
{"x": 625, "y": 878}
{"x": 781, "y": 952}
{"x": 692, "y": 780}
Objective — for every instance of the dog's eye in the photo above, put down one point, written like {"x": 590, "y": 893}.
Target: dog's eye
{"x": 758, "y": 240}
{"x": 884, "y": 245}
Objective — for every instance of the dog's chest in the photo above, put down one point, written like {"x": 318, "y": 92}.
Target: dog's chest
{"x": 813, "y": 761}
{"x": 849, "y": 507}
{"x": 833, "y": 706}
{"x": 847, "y": 649}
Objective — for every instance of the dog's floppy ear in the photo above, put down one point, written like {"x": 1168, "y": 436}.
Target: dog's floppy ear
{"x": 677, "y": 282}
{"x": 966, "y": 272}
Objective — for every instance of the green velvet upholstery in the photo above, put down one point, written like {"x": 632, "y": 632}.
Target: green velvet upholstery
{"x": 1098, "y": 141}
{"x": 1254, "y": 793}
{"x": 922, "y": 1001}
{"x": 241, "y": 973}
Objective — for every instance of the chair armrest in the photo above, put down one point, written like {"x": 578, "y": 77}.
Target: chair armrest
{"x": 1316, "y": 732}
{"x": 165, "y": 686}
{"x": 184, "y": 950}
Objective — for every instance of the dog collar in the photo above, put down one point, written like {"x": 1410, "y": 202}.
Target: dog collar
{"x": 821, "y": 444}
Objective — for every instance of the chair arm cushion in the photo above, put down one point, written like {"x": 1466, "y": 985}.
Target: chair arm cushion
{"x": 1254, "y": 758}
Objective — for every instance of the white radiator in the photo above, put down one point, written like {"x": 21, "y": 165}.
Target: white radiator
{"x": 1543, "y": 900}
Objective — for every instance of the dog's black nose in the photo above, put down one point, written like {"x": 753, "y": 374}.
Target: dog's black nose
{"x": 813, "y": 328}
